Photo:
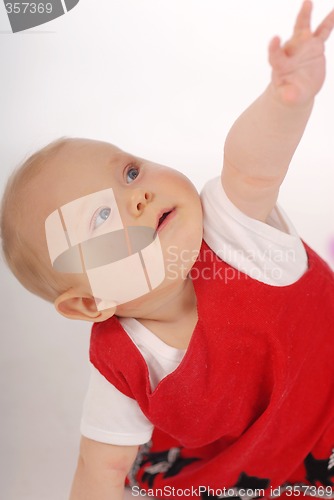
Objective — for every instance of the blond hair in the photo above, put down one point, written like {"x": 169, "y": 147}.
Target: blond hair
{"x": 19, "y": 254}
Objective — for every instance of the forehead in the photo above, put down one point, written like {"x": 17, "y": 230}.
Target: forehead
{"x": 81, "y": 168}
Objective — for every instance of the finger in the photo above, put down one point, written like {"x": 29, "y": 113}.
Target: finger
{"x": 275, "y": 50}
{"x": 303, "y": 21}
{"x": 324, "y": 29}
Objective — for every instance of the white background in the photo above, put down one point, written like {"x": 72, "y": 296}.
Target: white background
{"x": 163, "y": 79}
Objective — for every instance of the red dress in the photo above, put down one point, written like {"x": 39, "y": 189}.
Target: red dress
{"x": 251, "y": 406}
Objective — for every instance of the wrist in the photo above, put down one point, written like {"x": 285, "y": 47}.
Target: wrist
{"x": 281, "y": 98}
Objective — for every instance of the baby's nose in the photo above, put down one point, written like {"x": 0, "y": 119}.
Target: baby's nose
{"x": 140, "y": 198}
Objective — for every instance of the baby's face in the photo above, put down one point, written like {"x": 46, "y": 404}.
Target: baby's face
{"x": 100, "y": 190}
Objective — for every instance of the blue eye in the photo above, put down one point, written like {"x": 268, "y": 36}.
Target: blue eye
{"x": 100, "y": 216}
{"x": 132, "y": 174}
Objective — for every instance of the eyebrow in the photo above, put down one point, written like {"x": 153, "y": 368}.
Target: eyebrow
{"x": 122, "y": 159}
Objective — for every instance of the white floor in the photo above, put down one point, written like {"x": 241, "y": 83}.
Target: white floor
{"x": 128, "y": 495}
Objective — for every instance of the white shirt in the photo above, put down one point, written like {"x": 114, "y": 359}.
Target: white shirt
{"x": 269, "y": 252}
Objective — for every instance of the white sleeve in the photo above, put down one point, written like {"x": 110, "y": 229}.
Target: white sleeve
{"x": 270, "y": 252}
{"x": 111, "y": 417}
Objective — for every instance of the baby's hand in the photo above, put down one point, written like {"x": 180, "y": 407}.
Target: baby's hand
{"x": 298, "y": 67}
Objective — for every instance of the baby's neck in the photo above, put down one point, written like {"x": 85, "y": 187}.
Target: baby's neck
{"x": 174, "y": 320}
{"x": 171, "y": 313}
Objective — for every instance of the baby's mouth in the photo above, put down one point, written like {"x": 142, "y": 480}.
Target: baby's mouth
{"x": 163, "y": 219}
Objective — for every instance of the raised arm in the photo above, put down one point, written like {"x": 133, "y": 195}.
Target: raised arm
{"x": 262, "y": 141}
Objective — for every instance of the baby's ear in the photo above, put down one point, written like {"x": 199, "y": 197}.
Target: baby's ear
{"x": 73, "y": 306}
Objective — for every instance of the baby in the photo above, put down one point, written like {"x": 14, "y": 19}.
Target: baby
{"x": 214, "y": 355}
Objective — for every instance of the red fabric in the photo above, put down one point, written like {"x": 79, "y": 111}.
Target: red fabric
{"x": 254, "y": 394}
